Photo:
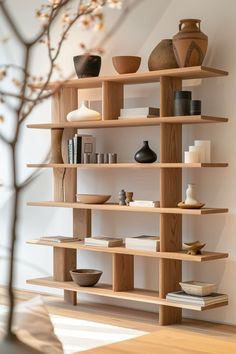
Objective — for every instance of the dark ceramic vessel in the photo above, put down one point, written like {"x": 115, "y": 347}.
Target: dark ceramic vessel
{"x": 87, "y": 65}
{"x": 145, "y": 154}
{"x": 182, "y": 103}
{"x": 85, "y": 277}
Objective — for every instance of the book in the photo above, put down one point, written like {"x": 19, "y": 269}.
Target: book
{"x": 137, "y": 117}
{"x": 181, "y": 296}
{"x": 143, "y": 242}
{"x": 145, "y": 203}
{"x": 59, "y": 239}
{"x": 103, "y": 241}
{"x": 139, "y": 111}
{"x": 70, "y": 147}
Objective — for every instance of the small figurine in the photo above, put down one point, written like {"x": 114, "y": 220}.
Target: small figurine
{"x": 129, "y": 197}
{"x": 122, "y": 197}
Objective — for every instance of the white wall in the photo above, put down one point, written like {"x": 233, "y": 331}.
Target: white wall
{"x": 151, "y": 22}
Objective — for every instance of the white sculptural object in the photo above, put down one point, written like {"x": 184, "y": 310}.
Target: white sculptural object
{"x": 83, "y": 114}
{"x": 191, "y": 195}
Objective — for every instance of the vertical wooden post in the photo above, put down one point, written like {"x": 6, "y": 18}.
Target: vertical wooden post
{"x": 171, "y": 193}
{"x": 123, "y": 272}
{"x": 112, "y": 99}
{"x": 65, "y": 182}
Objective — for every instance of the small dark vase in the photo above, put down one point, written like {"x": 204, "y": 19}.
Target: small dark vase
{"x": 145, "y": 155}
{"x": 87, "y": 65}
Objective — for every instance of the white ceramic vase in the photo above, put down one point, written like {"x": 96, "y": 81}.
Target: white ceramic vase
{"x": 191, "y": 195}
{"x": 83, "y": 113}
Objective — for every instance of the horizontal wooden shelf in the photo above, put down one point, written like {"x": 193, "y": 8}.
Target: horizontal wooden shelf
{"x": 205, "y": 256}
{"x": 140, "y": 295}
{"x": 138, "y": 122}
{"x": 195, "y": 72}
{"x": 130, "y": 165}
{"x": 116, "y": 207}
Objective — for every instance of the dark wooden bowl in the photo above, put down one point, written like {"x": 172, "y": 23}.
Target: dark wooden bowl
{"x": 85, "y": 277}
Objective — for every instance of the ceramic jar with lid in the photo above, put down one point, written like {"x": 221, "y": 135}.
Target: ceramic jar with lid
{"x": 182, "y": 102}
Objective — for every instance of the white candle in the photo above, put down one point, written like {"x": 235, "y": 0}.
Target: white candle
{"x": 200, "y": 150}
{"x": 191, "y": 156}
{"x": 206, "y": 144}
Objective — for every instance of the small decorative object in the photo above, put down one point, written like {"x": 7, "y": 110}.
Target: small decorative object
{"x": 100, "y": 158}
{"x": 197, "y": 288}
{"x": 122, "y": 197}
{"x": 145, "y": 154}
{"x": 191, "y": 157}
{"x": 128, "y": 197}
{"x": 162, "y": 56}
{"x": 92, "y": 198}
{"x": 193, "y": 248}
{"x": 87, "y": 65}
{"x": 191, "y": 195}
{"x": 83, "y": 114}
{"x": 126, "y": 64}
{"x": 87, "y": 158}
{"x": 195, "y": 107}
{"x": 183, "y": 205}
{"x": 85, "y": 277}
{"x": 106, "y": 157}
{"x": 112, "y": 157}
{"x": 190, "y": 202}
{"x": 182, "y": 103}
{"x": 205, "y": 145}
{"x": 190, "y": 44}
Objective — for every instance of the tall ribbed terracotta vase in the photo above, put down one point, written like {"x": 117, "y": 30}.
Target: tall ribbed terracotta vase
{"x": 190, "y": 44}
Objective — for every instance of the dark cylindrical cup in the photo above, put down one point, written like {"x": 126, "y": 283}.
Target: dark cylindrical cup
{"x": 182, "y": 103}
{"x": 195, "y": 107}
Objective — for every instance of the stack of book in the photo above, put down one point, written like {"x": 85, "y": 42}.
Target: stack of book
{"x": 145, "y": 203}
{"x": 142, "y": 112}
{"x": 59, "y": 239}
{"x": 184, "y": 298}
{"x": 143, "y": 242}
{"x": 78, "y": 146}
{"x": 103, "y": 241}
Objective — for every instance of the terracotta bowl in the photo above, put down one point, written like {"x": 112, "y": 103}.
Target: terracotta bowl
{"x": 92, "y": 198}
{"x": 126, "y": 64}
{"x": 85, "y": 277}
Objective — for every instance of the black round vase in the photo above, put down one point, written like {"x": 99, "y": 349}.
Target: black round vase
{"x": 145, "y": 155}
{"x": 87, "y": 65}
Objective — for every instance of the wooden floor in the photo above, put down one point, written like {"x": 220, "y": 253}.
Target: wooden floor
{"x": 191, "y": 337}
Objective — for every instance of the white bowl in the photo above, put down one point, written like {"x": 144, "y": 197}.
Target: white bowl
{"x": 197, "y": 288}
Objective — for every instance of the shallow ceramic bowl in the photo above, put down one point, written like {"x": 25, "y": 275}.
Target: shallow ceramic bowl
{"x": 85, "y": 277}
{"x": 193, "y": 247}
{"x": 126, "y": 64}
{"x": 197, "y": 288}
{"x": 92, "y": 198}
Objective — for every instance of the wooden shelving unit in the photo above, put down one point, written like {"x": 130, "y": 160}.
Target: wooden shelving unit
{"x": 135, "y": 166}
{"x": 170, "y": 257}
{"x": 181, "y": 255}
{"x": 116, "y": 207}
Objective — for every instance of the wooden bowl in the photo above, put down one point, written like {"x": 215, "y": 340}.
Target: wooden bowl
{"x": 190, "y": 206}
{"x": 85, "y": 277}
{"x": 126, "y": 64}
{"x": 92, "y": 198}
